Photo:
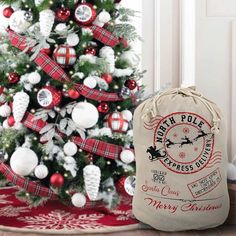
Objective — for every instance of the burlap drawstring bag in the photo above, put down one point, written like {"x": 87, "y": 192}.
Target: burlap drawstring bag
{"x": 181, "y": 155}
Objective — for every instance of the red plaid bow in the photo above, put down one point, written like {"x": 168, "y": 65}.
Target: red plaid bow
{"x": 57, "y": 73}
{"x": 27, "y": 185}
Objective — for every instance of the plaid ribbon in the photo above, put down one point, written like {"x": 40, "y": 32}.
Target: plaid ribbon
{"x": 104, "y": 36}
{"x": 99, "y": 148}
{"x": 57, "y": 73}
{"x": 27, "y": 185}
{"x": 94, "y": 146}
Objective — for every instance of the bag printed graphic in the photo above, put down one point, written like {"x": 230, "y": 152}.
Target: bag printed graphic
{"x": 181, "y": 156}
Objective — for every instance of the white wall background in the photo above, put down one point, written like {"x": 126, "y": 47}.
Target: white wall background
{"x": 191, "y": 42}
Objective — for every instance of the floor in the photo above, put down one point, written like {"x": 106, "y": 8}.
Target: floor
{"x": 223, "y": 230}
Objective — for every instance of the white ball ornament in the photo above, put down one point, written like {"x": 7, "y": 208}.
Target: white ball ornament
{"x": 41, "y": 171}
{"x": 34, "y": 78}
{"x": 104, "y": 17}
{"x": 5, "y": 124}
{"x": 70, "y": 148}
{"x": 127, "y": 115}
{"x": 78, "y": 200}
{"x": 72, "y": 39}
{"x": 5, "y": 110}
{"x": 90, "y": 82}
{"x": 23, "y": 161}
{"x": 127, "y": 156}
{"x": 85, "y": 115}
{"x": 18, "y": 23}
{"x": 231, "y": 173}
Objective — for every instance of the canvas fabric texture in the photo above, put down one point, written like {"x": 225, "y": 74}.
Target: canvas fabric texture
{"x": 181, "y": 154}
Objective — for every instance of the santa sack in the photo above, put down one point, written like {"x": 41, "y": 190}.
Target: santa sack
{"x": 181, "y": 158}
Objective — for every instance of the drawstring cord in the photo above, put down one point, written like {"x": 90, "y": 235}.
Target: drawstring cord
{"x": 150, "y": 108}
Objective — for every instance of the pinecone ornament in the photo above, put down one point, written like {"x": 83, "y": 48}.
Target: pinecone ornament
{"x": 46, "y": 21}
{"x": 20, "y": 104}
{"x": 92, "y": 178}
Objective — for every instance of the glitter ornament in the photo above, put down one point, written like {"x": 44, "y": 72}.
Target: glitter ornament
{"x": 74, "y": 94}
{"x": 18, "y": 23}
{"x": 92, "y": 178}
{"x": 72, "y": 39}
{"x": 116, "y": 122}
{"x": 13, "y": 77}
{"x": 70, "y": 148}
{"x": 46, "y": 22}
{"x": 85, "y": 115}
{"x": 11, "y": 121}
{"x": 49, "y": 97}
{"x": 34, "y": 78}
{"x": 103, "y": 107}
{"x": 107, "y": 77}
{"x": 23, "y": 161}
{"x": 85, "y": 14}
{"x": 5, "y": 110}
{"x": 57, "y": 180}
{"x": 7, "y": 12}
{"x": 131, "y": 84}
{"x": 65, "y": 55}
{"x": 63, "y": 14}
{"x": 41, "y": 171}
{"x": 127, "y": 156}
{"x": 90, "y": 50}
{"x": 125, "y": 92}
{"x": 20, "y": 104}
{"x": 78, "y": 200}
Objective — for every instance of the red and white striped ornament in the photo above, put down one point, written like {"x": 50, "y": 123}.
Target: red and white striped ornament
{"x": 116, "y": 122}
{"x": 49, "y": 97}
{"x": 65, "y": 55}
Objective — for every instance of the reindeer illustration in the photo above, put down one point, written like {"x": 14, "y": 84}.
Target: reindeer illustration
{"x": 169, "y": 143}
{"x": 200, "y": 135}
{"x": 186, "y": 141}
{"x": 155, "y": 154}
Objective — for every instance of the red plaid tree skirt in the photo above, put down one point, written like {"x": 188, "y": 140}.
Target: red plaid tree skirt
{"x": 57, "y": 218}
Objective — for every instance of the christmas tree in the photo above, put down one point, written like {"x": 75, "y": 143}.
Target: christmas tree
{"x": 69, "y": 83}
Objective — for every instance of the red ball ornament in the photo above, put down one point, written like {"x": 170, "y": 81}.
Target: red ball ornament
{"x": 131, "y": 84}
{"x": 8, "y": 11}
{"x": 63, "y": 14}
{"x": 91, "y": 50}
{"x": 49, "y": 97}
{"x": 11, "y": 121}
{"x": 74, "y": 94}
{"x": 85, "y": 14}
{"x": 46, "y": 51}
{"x": 13, "y": 78}
{"x": 116, "y": 122}
{"x": 107, "y": 77}
{"x": 126, "y": 185}
{"x": 57, "y": 180}
{"x": 103, "y": 107}
{"x": 65, "y": 55}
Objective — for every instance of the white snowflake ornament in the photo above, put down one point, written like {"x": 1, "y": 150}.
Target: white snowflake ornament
{"x": 72, "y": 39}
{"x": 5, "y": 110}
{"x": 46, "y": 21}
{"x": 70, "y": 148}
{"x": 78, "y": 200}
{"x": 34, "y": 78}
{"x": 18, "y": 22}
{"x": 92, "y": 178}
{"x": 20, "y": 104}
